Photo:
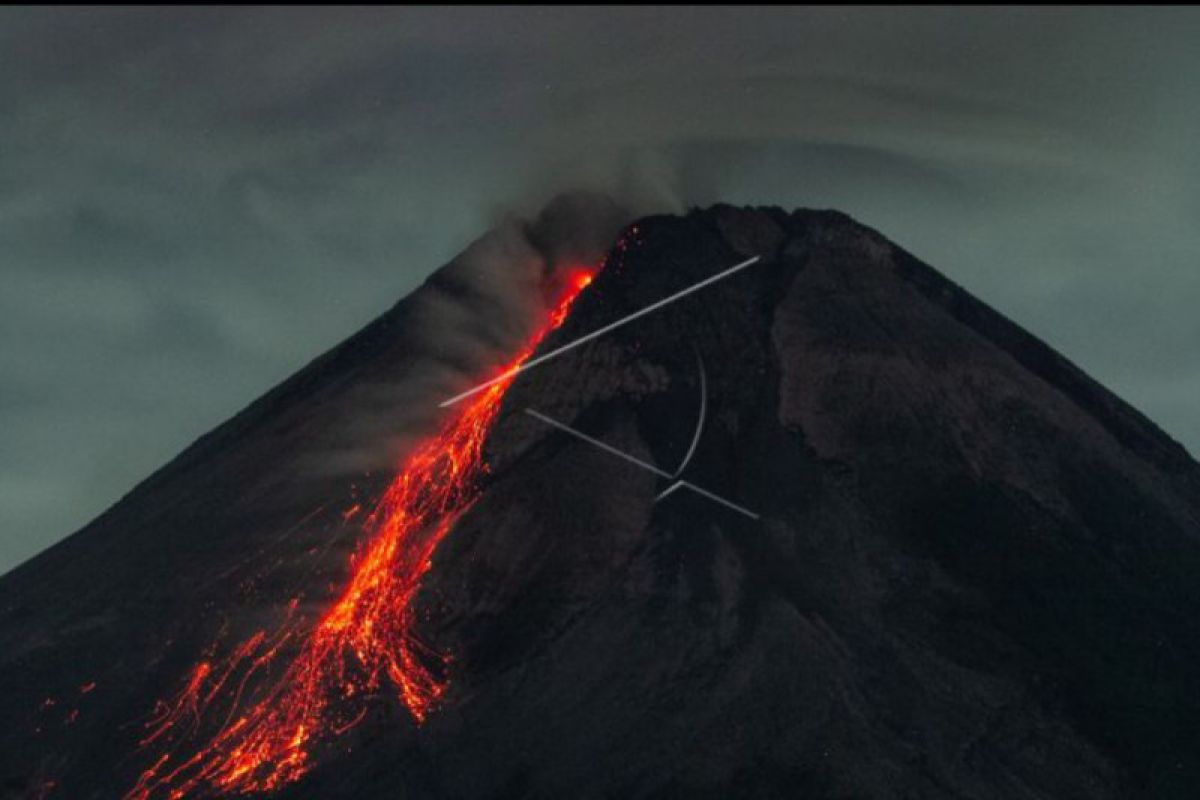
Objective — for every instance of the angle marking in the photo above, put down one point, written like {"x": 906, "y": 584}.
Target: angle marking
{"x": 542, "y": 359}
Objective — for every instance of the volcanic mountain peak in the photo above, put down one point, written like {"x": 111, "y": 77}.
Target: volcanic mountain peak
{"x": 968, "y": 570}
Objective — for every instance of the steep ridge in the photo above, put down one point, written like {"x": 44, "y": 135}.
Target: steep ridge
{"x": 967, "y": 569}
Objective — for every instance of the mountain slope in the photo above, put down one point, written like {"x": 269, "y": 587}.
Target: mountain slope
{"x": 973, "y": 571}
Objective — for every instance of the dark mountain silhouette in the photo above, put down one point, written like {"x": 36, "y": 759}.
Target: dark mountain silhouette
{"x": 974, "y": 572}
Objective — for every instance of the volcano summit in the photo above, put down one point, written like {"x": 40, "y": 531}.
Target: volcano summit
{"x": 826, "y": 527}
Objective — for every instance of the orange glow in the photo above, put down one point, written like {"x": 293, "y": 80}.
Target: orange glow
{"x": 575, "y": 281}
{"x": 364, "y": 643}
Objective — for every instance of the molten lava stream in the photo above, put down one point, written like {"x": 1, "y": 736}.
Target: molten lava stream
{"x": 362, "y": 642}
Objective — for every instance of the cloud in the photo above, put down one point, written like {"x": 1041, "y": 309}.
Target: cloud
{"x": 469, "y": 316}
{"x": 195, "y": 202}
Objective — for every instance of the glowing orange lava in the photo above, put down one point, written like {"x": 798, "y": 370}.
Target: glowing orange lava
{"x": 362, "y": 644}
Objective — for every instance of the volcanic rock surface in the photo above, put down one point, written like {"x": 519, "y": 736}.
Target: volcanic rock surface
{"x": 968, "y": 570}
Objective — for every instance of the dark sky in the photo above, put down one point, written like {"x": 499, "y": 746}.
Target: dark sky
{"x": 194, "y": 203}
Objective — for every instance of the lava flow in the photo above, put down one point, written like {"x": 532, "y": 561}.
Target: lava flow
{"x": 361, "y": 644}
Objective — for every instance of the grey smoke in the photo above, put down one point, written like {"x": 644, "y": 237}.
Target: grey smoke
{"x": 468, "y": 317}
{"x": 193, "y": 202}
{"x": 479, "y": 308}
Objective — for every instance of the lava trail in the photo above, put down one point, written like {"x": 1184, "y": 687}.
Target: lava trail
{"x": 362, "y": 644}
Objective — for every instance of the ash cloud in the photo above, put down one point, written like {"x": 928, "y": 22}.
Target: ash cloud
{"x": 477, "y": 310}
{"x": 469, "y": 317}
{"x": 195, "y": 201}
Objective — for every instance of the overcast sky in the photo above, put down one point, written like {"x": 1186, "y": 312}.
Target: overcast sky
{"x": 194, "y": 203}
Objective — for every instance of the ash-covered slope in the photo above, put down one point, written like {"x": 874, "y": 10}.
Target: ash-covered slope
{"x": 974, "y": 572}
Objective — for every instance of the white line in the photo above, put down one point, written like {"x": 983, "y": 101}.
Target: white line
{"x": 703, "y": 410}
{"x": 650, "y": 467}
{"x": 720, "y": 500}
{"x": 597, "y": 443}
{"x": 587, "y": 338}
{"x": 668, "y": 490}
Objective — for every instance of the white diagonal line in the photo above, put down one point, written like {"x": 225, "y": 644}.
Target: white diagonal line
{"x": 719, "y": 499}
{"x": 668, "y": 490}
{"x": 599, "y": 332}
{"x": 597, "y": 443}
{"x": 644, "y": 465}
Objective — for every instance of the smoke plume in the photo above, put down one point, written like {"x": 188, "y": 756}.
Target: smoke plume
{"x": 466, "y": 319}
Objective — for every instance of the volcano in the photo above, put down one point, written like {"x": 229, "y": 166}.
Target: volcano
{"x": 761, "y": 506}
